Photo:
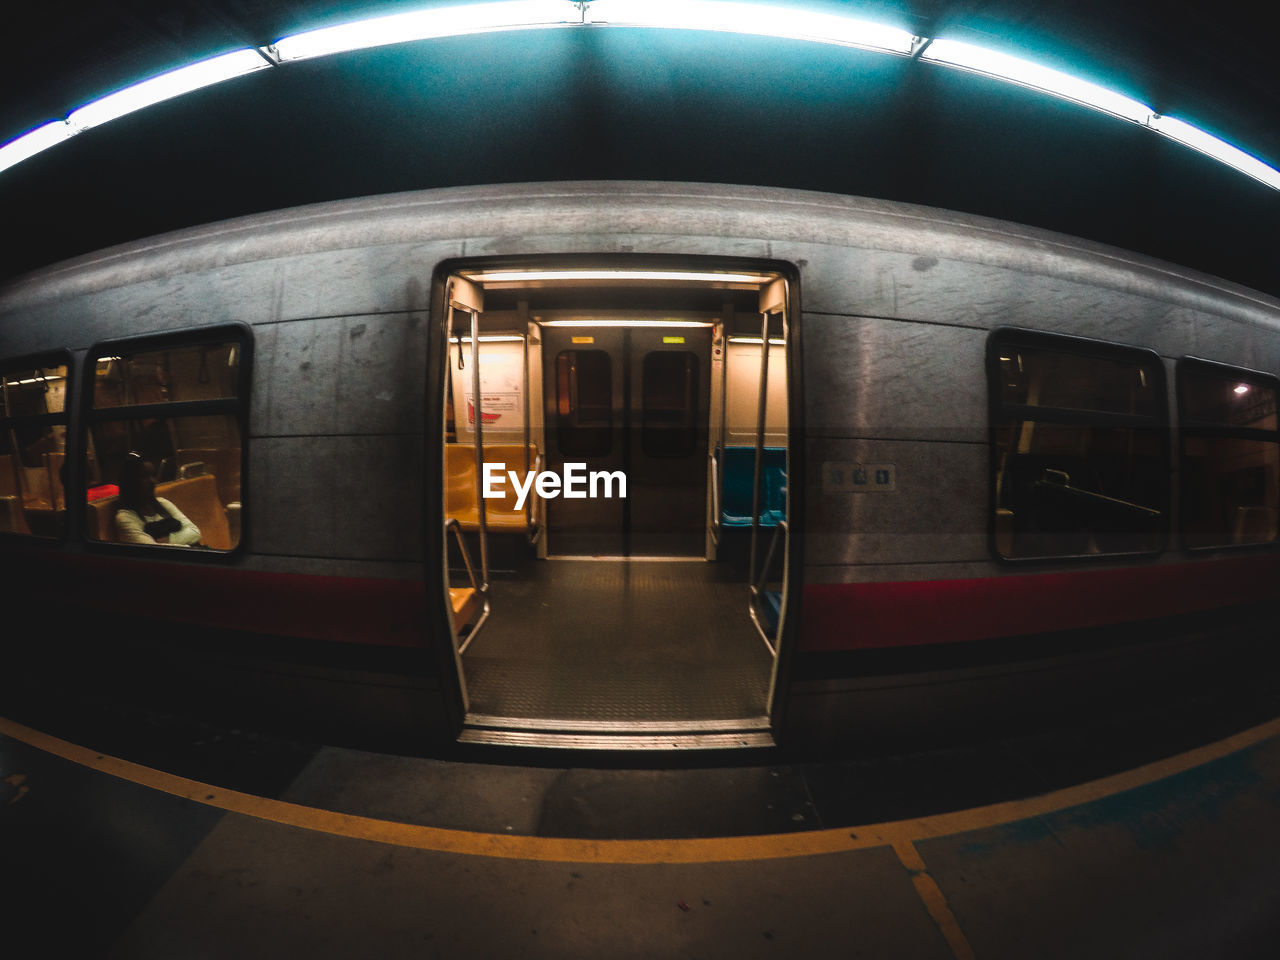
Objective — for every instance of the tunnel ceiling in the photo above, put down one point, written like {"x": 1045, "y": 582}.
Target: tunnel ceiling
{"x": 651, "y": 104}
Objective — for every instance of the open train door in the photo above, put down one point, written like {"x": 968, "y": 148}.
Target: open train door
{"x": 638, "y": 597}
{"x": 752, "y": 467}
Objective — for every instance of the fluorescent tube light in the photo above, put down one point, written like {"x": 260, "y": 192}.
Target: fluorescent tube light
{"x": 1220, "y": 150}
{"x": 520, "y": 276}
{"x": 757, "y": 340}
{"x": 29, "y": 144}
{"x": 790, "y": 23}
{"x": 995, "y": 64}
{"x": 424, "y": 24}
{"x": 490, "y": 338}
{"x": 625, "y": 323}
{"x": 167, "y": 85}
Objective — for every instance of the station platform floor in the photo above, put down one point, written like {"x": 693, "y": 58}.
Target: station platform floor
{"x": 1153, "y": 833}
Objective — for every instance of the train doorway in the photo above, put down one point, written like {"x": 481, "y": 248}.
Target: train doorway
{"x": 631, "y": 398}
{"x": 617, "y": 476}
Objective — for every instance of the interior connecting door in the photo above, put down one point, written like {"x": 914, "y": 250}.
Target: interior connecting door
{"x": 629, "y": 399}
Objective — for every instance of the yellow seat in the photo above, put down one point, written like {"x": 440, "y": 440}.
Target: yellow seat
{"x": 464, "y": 601}
{"x": 11, "y": 519}
{"x": 501, "y": 515}
{"x": 459, "y": 481}
{"x": 100, "y": 519}
{"x": 198, "y": 498}
{"x": 222, "y": 462}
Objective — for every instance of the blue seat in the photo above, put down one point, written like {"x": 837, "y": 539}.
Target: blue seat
{"x": 771, "y": 608}
{"x": 738, "y": 466}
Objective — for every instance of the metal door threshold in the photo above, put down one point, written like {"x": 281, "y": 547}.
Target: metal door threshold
{"x": 746, "y": 733}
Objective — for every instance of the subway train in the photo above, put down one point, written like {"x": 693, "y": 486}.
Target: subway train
{"x": 632, "y": 466}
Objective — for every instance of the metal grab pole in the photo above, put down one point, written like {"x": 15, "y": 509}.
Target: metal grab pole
{"x": 761, "y": 409}
{"x": 524, "y": 343}
{"x": 478, "y": 416}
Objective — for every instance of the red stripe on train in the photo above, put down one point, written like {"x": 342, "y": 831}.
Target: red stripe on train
{"x": 845, "y": 616}
{"x": 346, "y": 609}
{"x": 852, "y": 616}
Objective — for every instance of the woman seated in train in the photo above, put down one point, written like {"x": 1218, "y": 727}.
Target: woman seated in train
{"x": 141, "y": 516}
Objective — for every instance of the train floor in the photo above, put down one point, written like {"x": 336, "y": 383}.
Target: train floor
{"x": 1148, "y": 832}
{"x": 554, "y": 646}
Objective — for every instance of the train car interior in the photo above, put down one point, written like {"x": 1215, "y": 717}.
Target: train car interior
{"x": 175, "y": 410}
{"x": 627, "y": 572}
{"x": 1082, "y": 455}
{"x": 1080, "y": 446}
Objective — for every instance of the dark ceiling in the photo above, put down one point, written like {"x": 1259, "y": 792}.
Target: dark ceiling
{"x": 654, "y": 104}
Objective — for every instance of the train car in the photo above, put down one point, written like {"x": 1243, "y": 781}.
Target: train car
{"x": 623, "y": 465}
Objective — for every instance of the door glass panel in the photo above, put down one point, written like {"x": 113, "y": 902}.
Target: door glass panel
{"x": 584, "y": 400}
{"x": 669, "y": 424}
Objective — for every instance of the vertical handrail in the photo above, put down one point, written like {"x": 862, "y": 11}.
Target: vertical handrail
{"x": 757, "y": 586}
{"x": 716, "y": 525}
{"x": 722, "y": 437}
{"x": 478, "y": 443}
{"x": 761, "y": 409}
{"x": 528, "y": 507}
{"x": 449, "y": 524}
{"x": 532, "y": 515}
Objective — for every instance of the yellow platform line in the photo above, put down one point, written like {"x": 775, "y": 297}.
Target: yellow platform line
{"x": 697, "y": 850}
{"x": 934, "y": 901}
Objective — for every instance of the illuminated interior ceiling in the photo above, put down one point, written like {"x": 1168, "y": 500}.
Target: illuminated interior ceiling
{"x": 616, "y": 286}
{"x": 653, "y": 102}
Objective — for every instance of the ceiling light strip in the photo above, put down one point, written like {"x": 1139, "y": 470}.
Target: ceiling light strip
{"x": 1003, "y": 66}
{"x": 526, "y": 276}
{"x": 716, "y": 15}
{"x": 954, "y": 53}
{"x": 426, "y": 24}
{"x": 29, "y": 144}
{"x": 790, "y": 23}
{"x": 166, "y": 86}
{"x": 1219, "y": 150}
{"x": 626, "y": 323}
{"x": 186, "y": 79}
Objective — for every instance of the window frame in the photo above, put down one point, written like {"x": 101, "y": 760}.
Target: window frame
{"x": 45, "y": 358}
{"x": 999, "y": 414}
{"x": 1188, "y": 427}
{"x": 237, "y": 406}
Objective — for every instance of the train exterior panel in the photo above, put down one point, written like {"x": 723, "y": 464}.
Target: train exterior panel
{"x": 900, "y": 598}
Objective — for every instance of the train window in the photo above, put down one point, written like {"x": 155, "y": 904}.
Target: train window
{"x": 584, "y": 403}
{"x": 1230, "y": 467}
{"x": 33, "y": 429}
{"x": 164, "y": 444}
{"x": 669, "y": 392}
{"x": 1079, "y": 447}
